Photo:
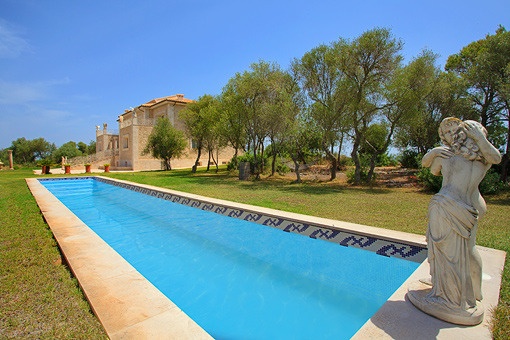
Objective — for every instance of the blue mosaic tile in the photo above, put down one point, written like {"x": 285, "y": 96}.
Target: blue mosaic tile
{"x": 296, "y": 227}
{"x": 359, "y": 241}
{"x": 235, "y": 213}
{"x": 65, "y": 178}
{"x": 273, "y": 222}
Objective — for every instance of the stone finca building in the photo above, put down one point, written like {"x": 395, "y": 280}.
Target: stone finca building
{"x": 123, "y": 150}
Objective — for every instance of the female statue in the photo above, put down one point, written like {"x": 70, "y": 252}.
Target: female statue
{"x": 455, "y": 265}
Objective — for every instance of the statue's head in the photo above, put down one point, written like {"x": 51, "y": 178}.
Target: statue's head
{"x": 479, "y": 126}
{"x": 466, "y": 146}
{"x": 448, "y": 128}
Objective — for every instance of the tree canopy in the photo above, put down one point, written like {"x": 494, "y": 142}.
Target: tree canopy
{"x": 358, "y": 91}
{"x": 165, "y": 142}
{"x": 484, "y": 68}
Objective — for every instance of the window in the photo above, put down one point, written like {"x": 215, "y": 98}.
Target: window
{"x": 125, "y": 142}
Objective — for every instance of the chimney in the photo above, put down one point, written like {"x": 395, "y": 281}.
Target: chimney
{"x": 180, "y": 96}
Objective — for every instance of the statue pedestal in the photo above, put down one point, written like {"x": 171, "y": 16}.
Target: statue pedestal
{"x": 418, "y": 295}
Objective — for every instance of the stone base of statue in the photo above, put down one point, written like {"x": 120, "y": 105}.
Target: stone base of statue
{"x": 418, "y": 294}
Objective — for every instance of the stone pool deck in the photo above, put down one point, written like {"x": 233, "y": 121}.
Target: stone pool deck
{"x": 130, "y": 307}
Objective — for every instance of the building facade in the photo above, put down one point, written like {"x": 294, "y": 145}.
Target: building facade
{"x": 123, "y": 150}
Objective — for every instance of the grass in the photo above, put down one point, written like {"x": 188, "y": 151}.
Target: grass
{"x": 39, "y": 298}
{"x": 28, "y": 242}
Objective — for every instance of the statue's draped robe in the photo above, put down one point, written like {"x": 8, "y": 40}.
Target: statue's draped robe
{"x": 448, "y": 233}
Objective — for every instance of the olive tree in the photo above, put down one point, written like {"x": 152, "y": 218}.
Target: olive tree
{"x": 165, "y": 142}
{"x": 368, "y": 64}
{"x": 320, "y": 77}
{"x": 484, "y": 66}
{"x": 200, "y": 119}
{"x": 252, "y": 99}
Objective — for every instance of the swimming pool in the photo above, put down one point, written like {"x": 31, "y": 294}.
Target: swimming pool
{"x": 236, "y": 278}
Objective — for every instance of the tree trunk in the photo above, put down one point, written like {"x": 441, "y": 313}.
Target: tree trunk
{"x": 341, "y": 142}
{"x": 355, "y": 159}
{"x": 334, "y": 166}
{"x": 199, "y": 153}
{"x": 370, "y": 174}
{"x": 168, "y": 166}
{"x": 214, "y": 160}
{"x": 296, "y": 169}
{"x": 208, "y": 162}
{"x": 331, "y": 157}
{"x": 273, "y": 165}
{"x": 262, "y": 163}
{"x": 255, "y": 164}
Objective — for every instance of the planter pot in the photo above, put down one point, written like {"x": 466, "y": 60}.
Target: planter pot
{"x": 107, "y": 168}
{"x": 68, "y": 169}
{"x": 43, "y": 169}
{"x": 46, "y": 169}
{"x": 87, "y": 168}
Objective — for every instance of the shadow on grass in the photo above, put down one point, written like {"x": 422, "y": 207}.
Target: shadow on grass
{"x": 501, "y": 199}
{"x": 180, "y": 178}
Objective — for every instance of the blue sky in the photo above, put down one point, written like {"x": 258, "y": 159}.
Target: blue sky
{"x": 67, "y": 66}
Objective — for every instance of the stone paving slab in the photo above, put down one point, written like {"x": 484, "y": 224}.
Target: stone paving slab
{"x": 399, "y": 319}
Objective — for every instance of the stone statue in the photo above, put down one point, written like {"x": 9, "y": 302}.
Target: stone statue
{"x": 455, "y": 264}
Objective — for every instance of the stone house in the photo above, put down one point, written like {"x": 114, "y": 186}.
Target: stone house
{"x": 123, "y": 150}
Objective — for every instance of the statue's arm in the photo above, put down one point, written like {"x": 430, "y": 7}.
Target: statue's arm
{"x": 433, "y": 159}
{"x": 426, "y": 161}
{"x": 430, "y": 156}
{"x": 489, "y": 152}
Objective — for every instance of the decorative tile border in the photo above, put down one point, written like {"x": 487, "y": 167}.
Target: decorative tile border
{"x": 64, "y": 178}
{"x": 345, "y": 238}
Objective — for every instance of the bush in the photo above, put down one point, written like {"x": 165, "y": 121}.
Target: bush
{"x": 387, "y": 160}
{"x": 491, "y": 183}
{"x": 234, "y": 162}
{"x": 429, "y": 181}
{"x": 344, "y": 162}
{"x": 282, "y": 168}
{"x": 364, "y": 175}
{"x": 410, "y": 159}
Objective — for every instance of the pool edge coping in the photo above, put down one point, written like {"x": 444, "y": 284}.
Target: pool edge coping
{"x": 108, "y": 281}
{"x": 386, "y": 323}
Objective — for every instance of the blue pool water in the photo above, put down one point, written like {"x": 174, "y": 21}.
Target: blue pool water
{"x": 237, "y": 279}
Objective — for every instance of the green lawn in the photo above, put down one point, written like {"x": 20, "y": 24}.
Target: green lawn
{"x": 31, "y": 307}
{"x": 39, "y": 299}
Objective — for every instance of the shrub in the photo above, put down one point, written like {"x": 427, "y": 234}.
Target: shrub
{"x": 282, "y": 168}
{"x": 428, "y": 180}
{"x": 491, "y": 183}
{"x": 387, "y": 160}
{"x": 364, "y": 175}
{"x": 234, "y": 162}
{"x": 344, "y": 162}
{"x": 410, "y": 159}
{"x": 247, "y": 157}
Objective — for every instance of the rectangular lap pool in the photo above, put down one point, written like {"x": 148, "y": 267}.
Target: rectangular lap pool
{"x": 234, "y": 277}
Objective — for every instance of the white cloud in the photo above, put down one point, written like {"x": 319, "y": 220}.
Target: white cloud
{"x": 11, "y": 43}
